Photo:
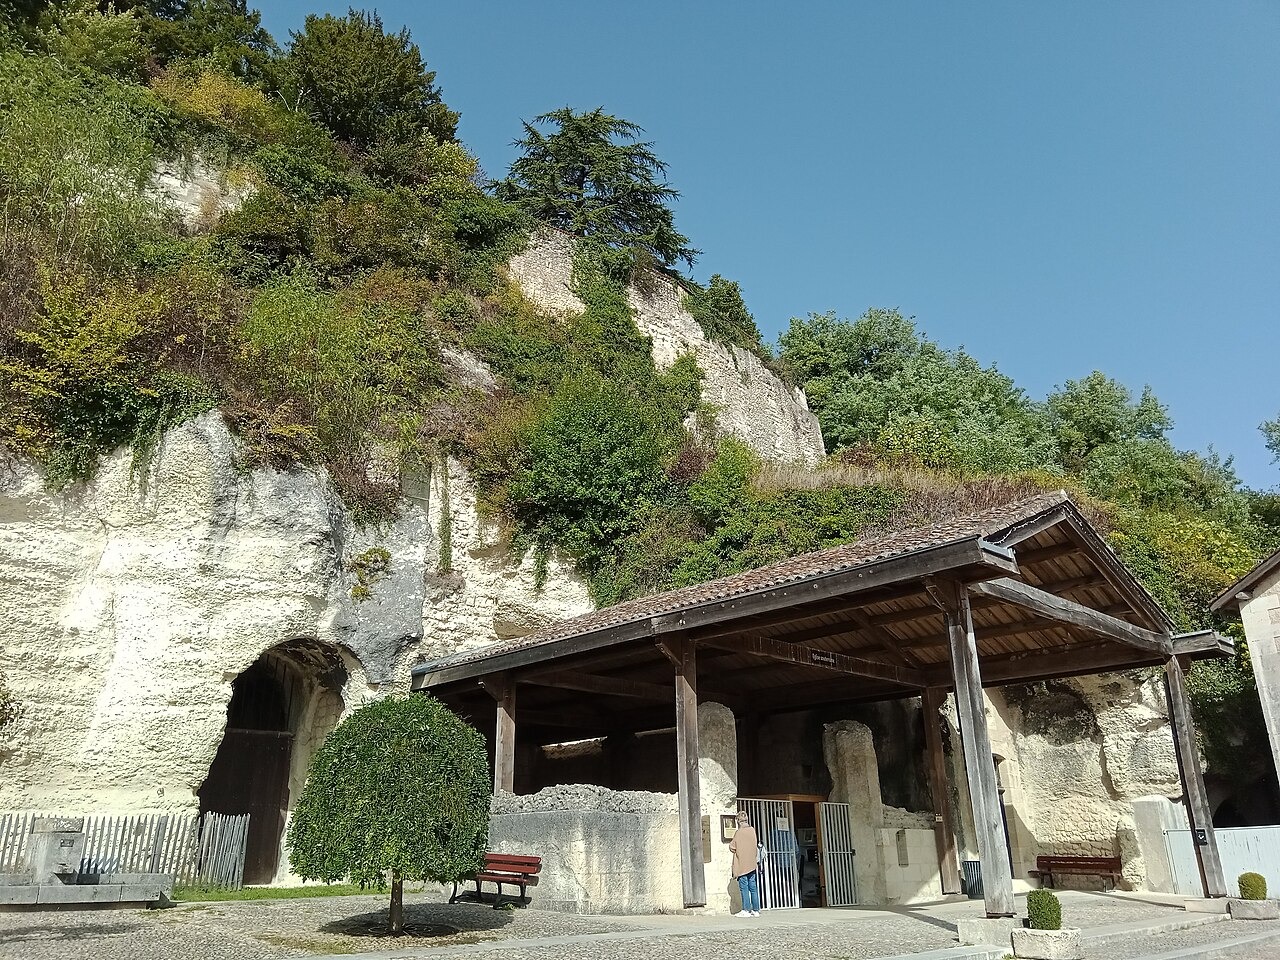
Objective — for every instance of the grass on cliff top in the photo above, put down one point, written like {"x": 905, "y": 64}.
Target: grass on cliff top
{"x": 185, "y": 894}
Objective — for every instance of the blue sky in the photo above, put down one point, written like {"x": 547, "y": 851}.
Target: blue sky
{"x": 1058, "y": 187}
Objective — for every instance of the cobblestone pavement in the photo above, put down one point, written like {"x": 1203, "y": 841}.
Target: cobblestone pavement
{"x": 269, "y": 929}
{"x": 1147, "y": 946}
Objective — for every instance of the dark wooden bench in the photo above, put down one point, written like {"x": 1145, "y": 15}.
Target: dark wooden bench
{"x": 502, "y": 869}
{"x": 1108, "y": 868}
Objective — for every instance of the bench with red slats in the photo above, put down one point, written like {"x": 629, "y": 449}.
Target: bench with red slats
{"x": 503, "y": 869}
{"x": 1108, "y": 868}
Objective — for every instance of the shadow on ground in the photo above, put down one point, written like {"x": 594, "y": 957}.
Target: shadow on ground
{"x": 422, "y": 921}
{"x": 46, "y": 932}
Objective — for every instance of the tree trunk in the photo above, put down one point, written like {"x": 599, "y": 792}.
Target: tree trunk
{"x": 397, "y": 904}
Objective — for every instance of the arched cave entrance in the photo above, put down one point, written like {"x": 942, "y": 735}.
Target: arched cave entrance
{"x": 281, "y": 708}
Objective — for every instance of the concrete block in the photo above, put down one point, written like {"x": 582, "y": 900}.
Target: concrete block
{"x": 141, "y": 892}
{"x": 1047, "y": 944}
{"x": 1206, "y": 905}
{"x": 82, "y": 893}
{"x": 17, "y": 896}
{"x": 993, "y": 930}
{"x": 163, "y": 882}
{"x": 1253, "y": 909}
{"x": 16, "y": 879}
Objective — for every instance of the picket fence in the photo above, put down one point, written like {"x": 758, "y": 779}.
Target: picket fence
{"x": 206, "y": 850}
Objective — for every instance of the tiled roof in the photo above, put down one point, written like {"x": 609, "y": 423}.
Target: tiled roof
{"x": 993, "y": 523}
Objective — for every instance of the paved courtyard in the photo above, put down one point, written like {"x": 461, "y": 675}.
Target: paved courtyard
{"x": 1122, "y": 926}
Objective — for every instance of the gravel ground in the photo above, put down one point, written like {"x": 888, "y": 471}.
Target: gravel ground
{"x": 1147, "y": 946}
{"x": 254, "y": 929}
{"x": 270, "y": 929}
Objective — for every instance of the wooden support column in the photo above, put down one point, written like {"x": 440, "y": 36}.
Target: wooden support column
{"x": 504, "y": 739}
{"x": 944, "y": 832}
{"x": 1196, "y": 798}
{"x": 683, "y": 655}
{"x": 979, "y": 765}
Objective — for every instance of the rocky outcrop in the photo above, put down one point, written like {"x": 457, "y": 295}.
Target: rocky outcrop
{"x": 751, "y": 402}
{"x": 134, "y": 600}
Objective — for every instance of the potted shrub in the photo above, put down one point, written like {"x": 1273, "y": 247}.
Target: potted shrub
{"x": 1043, "y": 938}
{"x": 1252, "y": 904}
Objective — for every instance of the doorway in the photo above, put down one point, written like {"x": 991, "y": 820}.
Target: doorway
{"x": 808, "y": 851}
{"x": 250, "y": 773}
{"x": 281, "y": 707}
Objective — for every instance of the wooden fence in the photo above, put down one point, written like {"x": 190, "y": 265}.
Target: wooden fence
{"x": 207, "y": 849}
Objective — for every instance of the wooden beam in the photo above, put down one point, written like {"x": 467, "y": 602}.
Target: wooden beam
{"x": 689, "y": 795}
{"x": 609, "y": 686}
{"x": 584, "y": 720}
{"x": 1196, "y": 798}
{"x": 1203, "y": 644}
{"x": 783, "y": 652}
{"x": 887, "y": 641}
{"x": 979, "y": 762}
{"x": 936, "y": 767}
{"x": 504, "y": 750}
{"x": 1049, "y": 663}
{"x": 1075, "y": 614}
{"x": 1051, "y": 552}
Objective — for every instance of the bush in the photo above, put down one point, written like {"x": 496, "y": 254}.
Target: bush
{"x": 401, "y": 786}
{"x": 1044, "y": 912}
{"x": 1253, "y": 886}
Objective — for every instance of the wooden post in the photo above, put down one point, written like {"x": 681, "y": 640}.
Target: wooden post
{"x": 1196, "y": 798}
{"x": 997, "y": 875}
{"x": 692, "y": 872}
{"x": 504, "y": 751}
{"x": 936, "y": 766}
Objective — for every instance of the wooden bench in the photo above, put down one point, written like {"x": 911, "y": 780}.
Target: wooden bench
{"x": 502, "y": 869}
{"x": 1108, "y": 868}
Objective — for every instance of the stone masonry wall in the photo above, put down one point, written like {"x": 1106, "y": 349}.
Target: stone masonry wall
{"x": 1261, "y": 616}
{"x": 751, "y": 402}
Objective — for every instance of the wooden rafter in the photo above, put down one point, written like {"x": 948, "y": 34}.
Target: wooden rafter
{"x": 784, "y": 652}
{"x": 1053, "y": 607}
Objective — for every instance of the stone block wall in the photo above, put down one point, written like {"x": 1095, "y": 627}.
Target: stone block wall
{"x": 603, "y": 851}
{"x": 910, "y": 859}
{"x": 1261, "y": 616}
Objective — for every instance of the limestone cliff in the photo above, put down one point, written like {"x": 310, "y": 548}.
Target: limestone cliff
{"x": 750, "y": 401}
{"x": 134, "y": 601}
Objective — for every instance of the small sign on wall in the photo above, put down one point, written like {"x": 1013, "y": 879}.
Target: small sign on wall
{"x": 706, "y": 839}
{"x": 728, "y": 826}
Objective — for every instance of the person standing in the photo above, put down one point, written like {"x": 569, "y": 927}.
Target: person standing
{"x": 745, "y": 849}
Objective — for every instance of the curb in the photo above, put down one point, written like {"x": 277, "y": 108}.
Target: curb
{"x": 1215, "y": 951}
{"x": 1105, "y": 936}
{"x": 954, "y": 953}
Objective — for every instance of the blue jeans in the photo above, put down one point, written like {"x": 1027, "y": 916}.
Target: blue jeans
{"x": 750, "y": 892}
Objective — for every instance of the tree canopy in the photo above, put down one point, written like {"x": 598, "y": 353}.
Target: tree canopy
{"x": 401, "y": 787}
{"x": 592, "y": 176}
{"x": 1271, "y": 432}
{"x": 364, "y": 83}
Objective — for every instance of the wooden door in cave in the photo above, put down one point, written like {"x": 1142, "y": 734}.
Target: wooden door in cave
{"x": 250, "y": 773}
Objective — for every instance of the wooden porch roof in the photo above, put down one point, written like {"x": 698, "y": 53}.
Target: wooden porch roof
{"x": 863, "y": 621}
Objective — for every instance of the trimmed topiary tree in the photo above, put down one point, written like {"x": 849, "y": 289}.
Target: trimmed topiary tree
{"x": 400, "y": 788}
{"x": 1044, "y": 911}
{"x": 1253, "y": 886}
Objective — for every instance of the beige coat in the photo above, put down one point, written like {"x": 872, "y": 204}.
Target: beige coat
{"x": 743, "y": 847}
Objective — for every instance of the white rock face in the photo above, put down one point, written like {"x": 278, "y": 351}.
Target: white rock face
{"x": 751, "y": 402}
{"x": 198, "y": 194}
{"x": 130, "y": 606}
